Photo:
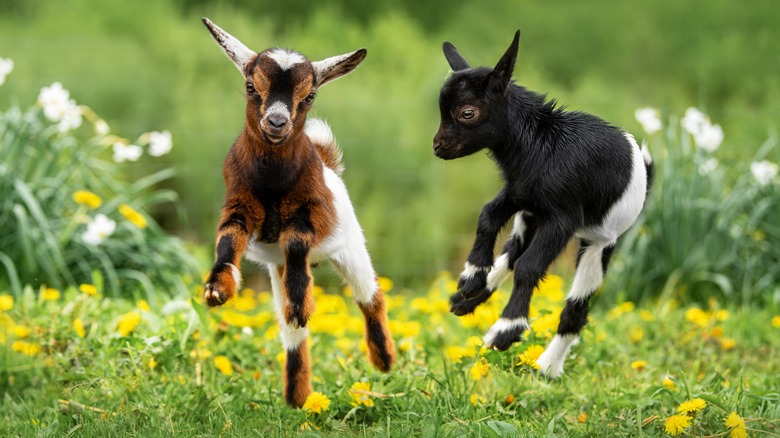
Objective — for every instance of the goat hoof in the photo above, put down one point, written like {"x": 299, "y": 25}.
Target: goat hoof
{"x": 213, "y": 296}
{"x": 462, "y": 305}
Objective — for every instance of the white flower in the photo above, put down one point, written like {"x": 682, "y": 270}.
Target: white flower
{"x": 693, "y": 120}
{"x": 98, "y": 229}
{"x": 6, "y": 66}
{"x": 70, "y": 118}
{"x": 708, "y": 166}
{"x": 101, "y": 127}
{"x": 160, "y": 143}
{"x": 709, "y": 136}
{"x": 55, "y": 101}
{"x": 763, "y": 171}
{"x": 649, "y": 119}
{"x": 123, "y": 152}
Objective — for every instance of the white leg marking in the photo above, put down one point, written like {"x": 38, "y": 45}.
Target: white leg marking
{"x": 589, "y": 274}
{"x": 499, "y": 273}
{"x": 504, "y": 325}
{"x": 551, "y": 361}
{"x": 236, "y": 275}
{"x": 286, "y": 59}
{"x": 291, "y": 337}
{"x": 469, "y": 270}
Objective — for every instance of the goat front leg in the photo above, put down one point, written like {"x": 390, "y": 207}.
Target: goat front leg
{"x": 472, "y": 286}
{"x": 549, "y": 241}
{"x": 297, "y": 299}
{"x": 232, "y": 240}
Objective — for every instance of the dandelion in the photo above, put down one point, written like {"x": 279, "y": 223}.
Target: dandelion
{"x": 622, "y": 309}
{"x": 697, "y": 316}
{"x": 85, "y": 197}
{"x": 476, "y": 399}
{"x": 88, "y": 289}
{"x": 143, "y": 306}
{"x": 479, "y": 370}
{"x": 636, "y": 334}
{"x": 98, "y": 229}
{"x": 50, "y": 294}
{"x": 455, "y": 353}
{"x": 224, "y": 365}
{"x": 676, "y": 424}
{"x": 21, "y": 331}
{"x": 128, "y": 323}
{"x": 649, "y": 119}
{"x": 78, "y": 327}
{"x": 668, "y": 382}
{"x": 728, "y": 344}
{"x": 530, "y": 355}
{"x": 358, "y": 393}
{"x": 124, "y": 152}
{"x": 691, "y": 406}
{"x": 152, "y": 364}
{"x": 6, "y": 67}
{"x": 639, "y": 365}
{"x": 763, "y": 171}
{"x": 582, "y": 418}
{"x": 133, "y": 216}
{"x": 7, "y": 303}
{"x": 26, "y": 348}
{"x": 737, "y": 425}
{"x": 509, "y": 399}
{"x": 316, "y": 402}
{"x": 160, "y": 143}
{"x": 385, "y": 284}
{"x": 775, "y": 320}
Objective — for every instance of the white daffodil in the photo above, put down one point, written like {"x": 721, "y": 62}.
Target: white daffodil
{"x": 160, "y": 143}
{"x": 693, "y": 120}
{"x": 55, "y": 101}
{"x": 6, "y": 66}
{"x": 98, "y": 229}
{"x": 709, "y": 136}
{"x": 649, "y": 119}
{"x": 763, "y": 171}
{"x": 70, "y": 118}
{"x": 708, "y": 166}
{"x": 124, "y": 152}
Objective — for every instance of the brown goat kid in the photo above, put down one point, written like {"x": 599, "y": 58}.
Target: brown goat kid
{"x": 286, "y": 205}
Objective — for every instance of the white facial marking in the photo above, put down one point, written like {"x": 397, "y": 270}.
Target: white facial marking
{"x": 504, "y": 325}
{"x": 285, "y": 58}
{"x": 551, "y": 361}
{"x": 278, "y": 108}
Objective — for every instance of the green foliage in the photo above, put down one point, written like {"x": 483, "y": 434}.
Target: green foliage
{"x": 41, "y": 170}
{"x": 704, "y": 232}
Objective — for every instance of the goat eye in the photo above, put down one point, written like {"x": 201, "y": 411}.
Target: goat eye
{"x": 250, "y": 88}
{"x": 468, "y": 114}
{"x": 310, "y": 97}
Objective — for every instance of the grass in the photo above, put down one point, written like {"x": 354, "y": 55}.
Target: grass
{"x": 157, "y": 376}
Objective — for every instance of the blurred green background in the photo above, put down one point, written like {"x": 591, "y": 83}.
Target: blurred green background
{"x": 151, "y": 65}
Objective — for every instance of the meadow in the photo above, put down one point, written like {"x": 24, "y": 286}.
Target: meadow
{"x": 107, "y": 128}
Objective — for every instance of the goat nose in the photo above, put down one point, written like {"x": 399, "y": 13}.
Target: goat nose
{"x": 277, "y": 120}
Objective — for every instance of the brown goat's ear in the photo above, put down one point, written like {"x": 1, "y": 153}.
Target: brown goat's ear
{"x": 336, "y": 66}
{"x": 502, "y": 73}
{"x": 456, "y": 61}
{"x": 240, "y": 54}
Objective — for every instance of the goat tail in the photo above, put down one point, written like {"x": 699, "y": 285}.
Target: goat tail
{"x": 649, "y": 165}
{"x": 322, "y": 138}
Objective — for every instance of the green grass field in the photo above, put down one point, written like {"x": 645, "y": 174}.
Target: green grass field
{"x": 85, "y": 365}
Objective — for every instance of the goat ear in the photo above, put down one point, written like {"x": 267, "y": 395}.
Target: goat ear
{"x": 456, "y": 61}
{"x": 502, "y": 73}
{"x": 335, "y": 67}
{"x": 240, "y": 54}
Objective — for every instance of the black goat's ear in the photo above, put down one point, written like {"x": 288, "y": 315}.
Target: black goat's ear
{"x": 502, "y": 73}
{"x": 453, "y": 57}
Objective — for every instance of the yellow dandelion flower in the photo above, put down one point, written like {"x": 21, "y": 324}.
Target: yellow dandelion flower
{"x": 734, "y": 420}
{"x": 223, "y": 365}
{"x": 668, "y": 382}
{"x": 88, "y": 289}
{"x": 583, "y": 417}
{"x": 405, "y": 345}
{"x": 128, "y": 323}
{"x": 280, "y": 357}
{"x": 143, "y": 306}
{"x": 646, "y": 315}
{"x": 546, "y": 324}
{"x": 6, "y": 303}
{"x": 476, "y": 399}
{"x": 775, "y": 320}
{"x": 728, "y": 344}
{"x": 152, "y": 364}
{"x": 738, "y": 432}
{"x": 316, "y": 402}
{"x": 358, "y": 393}
{"x": 639, "y": 365}
{"x": 480, "y": 370}
{"x": 622, "y": 309}
{"x": 689, "y": 406}
{"x": 697, "y": 316}
{"x": 636, "y": 334}
{"x": 722, "y": 315}
{"x": 51, "y": 294}
{"x": 455, "y": 353}
{"x": 78, "y": 327}
{"x": 509, "y": 399}
{"x": 26, "y": 348}
{"x": 716, "y": 332}
{"x": 133, "y": 216}
{"x": 676, "y": 424}
{"x": 385, "y": 284}
{"x": 84, "y": 197}
{"x": 530, "y": 355}
{"x": 21, "y": 331}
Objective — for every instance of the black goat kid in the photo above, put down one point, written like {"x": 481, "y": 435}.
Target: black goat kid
{"x": 567, "y": 174}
